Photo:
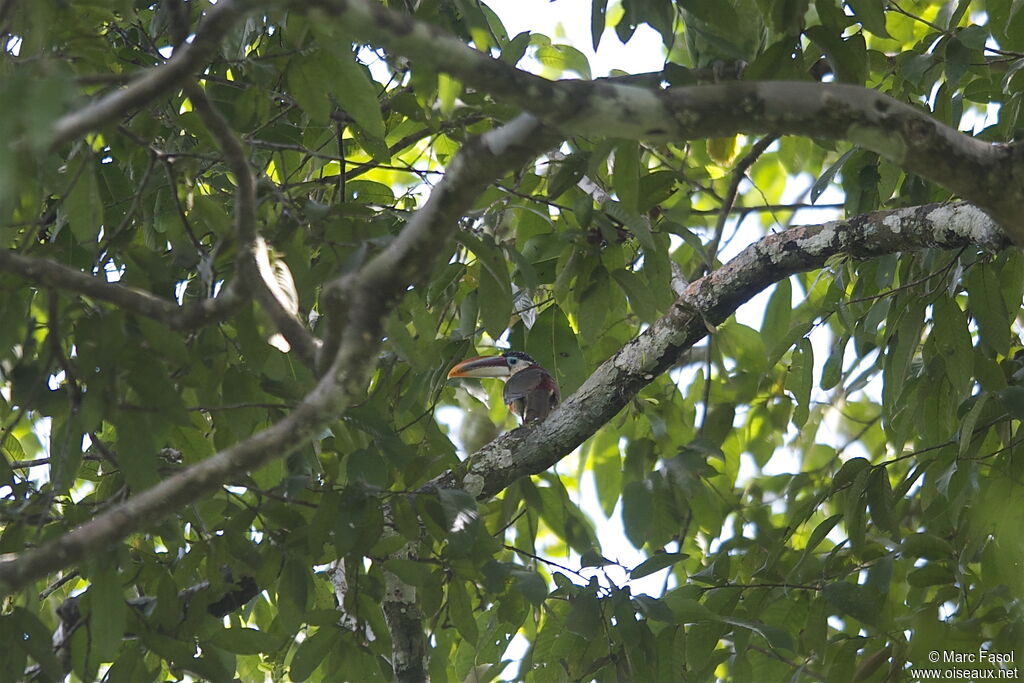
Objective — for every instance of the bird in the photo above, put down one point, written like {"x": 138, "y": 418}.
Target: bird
{"x": 530, "y": 392}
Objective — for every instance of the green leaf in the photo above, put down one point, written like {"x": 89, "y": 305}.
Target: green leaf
{"x": 311, "y": 652}
{"x": 554, "y": 345}
{"x": 849, "y": 59}
{"x": 777, "y": 316}
{"x": 777, "y": 638}
{"x": 107, "y": 613}
{"x": 880, "y": 501}
{"x": 931, "y": 575}
{"x": 65, "y": 451}
{"x": 584, "y": 617}
{"x": 37, "y": 641}
{"x": 1012, "y": 399}
{"x": 293, "y": 584}
{"x": 516, "y": 48}
{"x": 496, "y": 304}
{"x": 744, "y": 344}
{"x": 853, "y": 600}
{"x": 136, "y": 449}
{"x": 969, "y": 423}
{"x": 410, "y": 572}
{"x": 606, "y": 463}
{"x": 494, "y": 25}
{"x": 495, "y": 294}
{"x": 655, "y": 563}
{"x": 854, "y": 510}
{"x": 870, "y": 13}
{"x": 594, "y": 306}
{"x": 987, "y": 307}
{"x": 356, "y": 93}
{"x": 720, "y": 14}
{"x": 308, "y": 79}
{"x": 12, "y": 664}
{"x": 129, "y": 667}
{"x": 849, "y": 472}
{"x": 641, "y": 300}
{"x": 952, "y": 339}
{"x": 800, "y": 380}
{"x": 598, "y": 9}
{"x": 567, "y": 172}
{"x": 819, "y": 534}
{"x": 369, "y": 192}
{"x": 531, "y": 586}
{"x": 448, "y": 91}
{"x": 832, "y": 371}
{"x": 83, "y": 206}
{"x": 626, "y": 175}
{"x": 926, "y": 545}
{"x": 564, "y": 58}
{"x": 958, "y": 60}
{"x": 826, "y": 178}
{"x": 637, "y": 511}
{"x": 639, "y": 225}
{"x": 460, "y": 611}
{"x": 245, "y": 641}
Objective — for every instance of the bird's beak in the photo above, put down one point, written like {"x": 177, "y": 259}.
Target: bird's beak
{"x": 482, "y": 366}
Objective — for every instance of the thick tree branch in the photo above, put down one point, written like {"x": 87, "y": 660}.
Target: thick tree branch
{"x": 405, "y": 262}
{"x": 988, "y": 175}
{"x": 712, "y": 298}
{"x": 185, "y": 63}
{"x": 187, "y": 317}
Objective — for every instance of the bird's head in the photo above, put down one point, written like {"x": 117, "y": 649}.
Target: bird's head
{"x": 505, "y": 365}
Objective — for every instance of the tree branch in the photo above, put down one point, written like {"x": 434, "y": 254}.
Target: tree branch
{"x": 406, "y": 261}
{"x": 187, "y": 317}
{"x": 300, "y": 339}
{"x": 186, "y": 62}
{"x": 712, "y": 298}
{"x": 354, "y": 301}
{"x": 985, "y": 174}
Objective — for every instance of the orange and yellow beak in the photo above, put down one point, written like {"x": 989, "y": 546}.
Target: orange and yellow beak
{"x": 481, "y": 366}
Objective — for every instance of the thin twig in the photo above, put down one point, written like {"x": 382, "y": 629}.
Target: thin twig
{"x": 739, "y": 172}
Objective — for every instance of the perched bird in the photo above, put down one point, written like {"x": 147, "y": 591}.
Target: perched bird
{"x": 530, "y": 392}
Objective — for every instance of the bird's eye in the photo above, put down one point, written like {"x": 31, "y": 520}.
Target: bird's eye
{"x": 513, "y": 361}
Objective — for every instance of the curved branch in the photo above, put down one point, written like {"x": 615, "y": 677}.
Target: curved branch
{"x": 985, "y": 174}
{"x": 187, "y": 317}
{"x": 406, "y": 261}
{"x": 712, "y": 298}
{"x": 155, "y": 82}
{"x": 287, "y": 324}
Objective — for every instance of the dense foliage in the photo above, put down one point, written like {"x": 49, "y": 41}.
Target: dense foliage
{"x": 146, "y": 300}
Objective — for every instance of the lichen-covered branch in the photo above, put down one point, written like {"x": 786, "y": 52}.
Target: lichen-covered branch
{"x": 712, "y": 299}
{"x": 983, "y": 173}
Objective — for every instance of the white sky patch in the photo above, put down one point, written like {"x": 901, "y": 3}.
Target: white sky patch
{"x": 568, "y": 22}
